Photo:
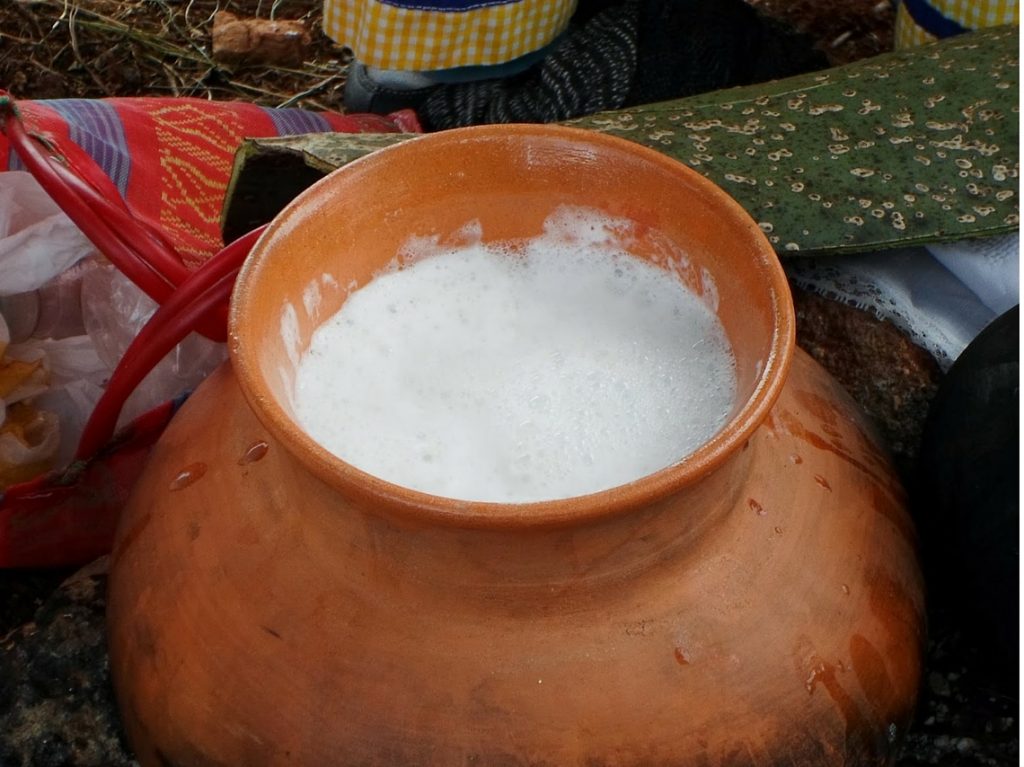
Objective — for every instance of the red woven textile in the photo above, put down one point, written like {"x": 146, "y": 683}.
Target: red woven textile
{"x": 170, "y": 159}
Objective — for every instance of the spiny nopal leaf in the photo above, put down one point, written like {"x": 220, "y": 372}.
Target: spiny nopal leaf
{"x": 904, "y": 148}
{"x": 907, "y": 147}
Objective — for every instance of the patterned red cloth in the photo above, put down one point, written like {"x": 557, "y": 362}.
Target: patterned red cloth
{"x": 171, "y": 160}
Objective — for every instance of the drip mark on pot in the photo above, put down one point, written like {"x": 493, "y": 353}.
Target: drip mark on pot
{"x": 187, "y": 476}
{"x": 756, "y": 507}
{"x": 823, "y": 482}
{"x": 131, "y": 536}
{"x": 893, "y": 510}
{"x": 820, "y": 670}
{"x": 870, "y": 668}
{"x": 164, "y": 760}
{"x": 792, "y": 422}
{"x": 825, "y": 674}
{"x": 254, "y": 452}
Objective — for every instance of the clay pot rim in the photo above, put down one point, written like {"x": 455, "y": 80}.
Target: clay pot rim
{"x": 381, "y": 496}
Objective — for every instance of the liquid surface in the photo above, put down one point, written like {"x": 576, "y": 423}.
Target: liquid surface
{"x": 557, "y": 368}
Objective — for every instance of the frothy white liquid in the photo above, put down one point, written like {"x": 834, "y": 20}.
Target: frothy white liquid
{"x": 560, "y": 367}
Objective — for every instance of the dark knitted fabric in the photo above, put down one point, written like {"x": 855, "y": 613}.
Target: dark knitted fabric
{"x": 695, "y": 46}
{"x": 629, "y": 52}
{"x": 590, "y": 70}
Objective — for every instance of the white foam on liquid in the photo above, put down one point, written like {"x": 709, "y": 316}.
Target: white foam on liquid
{"x": 545, "y": 369}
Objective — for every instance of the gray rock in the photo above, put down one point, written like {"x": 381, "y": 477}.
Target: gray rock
{"x": 57, "y": 706}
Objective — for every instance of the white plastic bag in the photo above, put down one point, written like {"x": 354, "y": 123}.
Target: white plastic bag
{"x": 37, "y": 240}
{"x": 69, "y": 315}
{"x": 115, "y": 310}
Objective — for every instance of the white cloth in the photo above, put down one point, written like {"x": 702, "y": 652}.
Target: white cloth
{"x": 989, "y": 267}
{"x": 941, "y": 296}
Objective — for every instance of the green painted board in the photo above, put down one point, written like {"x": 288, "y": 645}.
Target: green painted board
{"x": 904, "y": 148}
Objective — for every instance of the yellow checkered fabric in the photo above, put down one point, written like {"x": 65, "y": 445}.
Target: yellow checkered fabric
{"x": 390, "y": 37}
{"x": 971, "y": 14}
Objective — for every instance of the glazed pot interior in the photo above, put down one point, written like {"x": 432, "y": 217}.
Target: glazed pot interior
{"x": 352, "y": 224}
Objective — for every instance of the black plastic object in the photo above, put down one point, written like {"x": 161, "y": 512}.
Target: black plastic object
{"x": 967, "y": 508}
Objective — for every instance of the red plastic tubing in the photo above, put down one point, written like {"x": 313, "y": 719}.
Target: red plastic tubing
{"x": 189, "y": 301}
{"x": 203, "y": 294}
{"x": 89, "y": 199}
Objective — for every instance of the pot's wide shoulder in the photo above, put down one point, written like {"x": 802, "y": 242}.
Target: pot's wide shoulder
{"x": 790, "y": 630}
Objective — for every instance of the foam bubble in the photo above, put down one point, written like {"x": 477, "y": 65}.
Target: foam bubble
{"x": 531, "y": 371}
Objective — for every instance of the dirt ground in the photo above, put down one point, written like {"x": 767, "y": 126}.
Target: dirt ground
{"x": 96, "y": 48}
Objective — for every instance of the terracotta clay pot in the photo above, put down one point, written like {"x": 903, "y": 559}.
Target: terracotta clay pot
{"x": 758, "y": 603}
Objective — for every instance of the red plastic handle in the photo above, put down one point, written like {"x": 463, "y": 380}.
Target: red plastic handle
{"x": 189, "y": 301}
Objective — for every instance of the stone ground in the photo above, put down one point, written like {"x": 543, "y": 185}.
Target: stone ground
{"x": 56, "y": 705}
